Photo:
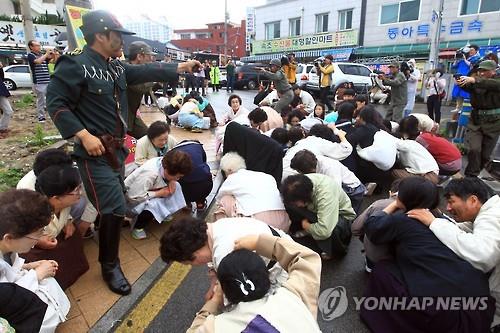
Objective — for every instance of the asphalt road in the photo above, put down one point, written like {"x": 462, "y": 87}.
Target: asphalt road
{"x": 348, "y": 272}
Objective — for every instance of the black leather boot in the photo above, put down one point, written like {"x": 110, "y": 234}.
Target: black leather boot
{"x": 109, "y": 242}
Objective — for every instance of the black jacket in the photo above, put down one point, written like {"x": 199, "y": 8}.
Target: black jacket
{"x": 261, "y": 153}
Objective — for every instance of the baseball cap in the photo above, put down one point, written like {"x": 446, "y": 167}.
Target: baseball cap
{"x": 394, "y": 64}
{"x": 488, "y": 65}
{"x": 139, "y": 47}
{"x": 101, "y": 21}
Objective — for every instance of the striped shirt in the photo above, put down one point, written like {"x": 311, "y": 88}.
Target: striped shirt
{"x": 39, "y": 72}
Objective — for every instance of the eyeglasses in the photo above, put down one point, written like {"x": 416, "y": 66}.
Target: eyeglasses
{"x": 39, "y": 234}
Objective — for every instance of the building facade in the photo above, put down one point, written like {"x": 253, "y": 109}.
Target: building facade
{"x": 308, "y": 28}
{"x": 405, "y": 28}
{"x": 211, "y": 39}
{"x": 149, "y": 28}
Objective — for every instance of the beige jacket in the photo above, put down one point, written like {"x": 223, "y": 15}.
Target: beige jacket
{"x": 145, "y": 150}
{"x": 299, "y": 295}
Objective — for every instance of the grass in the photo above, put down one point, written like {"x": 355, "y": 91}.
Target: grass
{"x": 26, "y": 101}
{"x": 9, "y": 178}
{"x": 38, "y": 139}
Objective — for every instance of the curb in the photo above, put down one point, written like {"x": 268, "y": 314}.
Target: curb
{"x": 115, "y": 315}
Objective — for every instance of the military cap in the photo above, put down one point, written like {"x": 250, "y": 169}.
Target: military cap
{"x": 394, "y": 64}
{"x": 97, "y": 21}
{"x": 139, "y": 47}
{"x": 488, "y": 65}
{"x": 275, "y": 62}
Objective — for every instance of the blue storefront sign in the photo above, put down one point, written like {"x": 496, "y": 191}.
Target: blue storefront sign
{"x": 338, "y": 54}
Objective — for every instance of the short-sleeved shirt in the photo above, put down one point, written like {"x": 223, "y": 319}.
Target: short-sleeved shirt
{"x": 39, "y": 72}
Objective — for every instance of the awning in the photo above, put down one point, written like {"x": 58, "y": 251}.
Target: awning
{"x": 340, "y": 54}
{"x": 20, "y": 53}
{"x": 413, "y": 49}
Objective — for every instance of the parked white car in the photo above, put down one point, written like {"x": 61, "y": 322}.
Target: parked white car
{"x": 358, "y": 74}
{"x": 17, "y": 76}
{"x": 302, "y": 74}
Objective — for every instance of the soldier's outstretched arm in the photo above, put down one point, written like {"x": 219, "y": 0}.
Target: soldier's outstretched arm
{"x": 157, "y": 72}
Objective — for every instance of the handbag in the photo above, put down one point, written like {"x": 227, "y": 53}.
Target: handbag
{"x": 441, "y": 94}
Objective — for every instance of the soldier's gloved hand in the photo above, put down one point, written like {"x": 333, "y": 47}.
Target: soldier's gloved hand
{"x": 91, "y": 143}
{"x": 188, "y": 66}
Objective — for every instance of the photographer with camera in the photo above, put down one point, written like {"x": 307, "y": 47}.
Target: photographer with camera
{"x": 399, "y": 92}
{"x": 290, "y": 68}
{"x": 465, "y": 59}
{"x": 412, "y": 75}
{"x": 435, "y": 85}
{"x": 483, "y": 128}
{"x": 325, "y": 70}
{"x": 40, "y": 74}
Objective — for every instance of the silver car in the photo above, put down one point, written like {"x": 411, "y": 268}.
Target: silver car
{"x": 17, "y": 76}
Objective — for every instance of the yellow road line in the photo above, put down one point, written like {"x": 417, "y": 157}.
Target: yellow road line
{"x": 147, "y": 309}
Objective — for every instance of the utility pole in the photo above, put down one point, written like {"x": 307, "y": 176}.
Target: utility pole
{"x": 225, "y": 30}
{"x": 437, "y": 19}
{"x": 27, "y": 21}
{"x": 434, "y": 52}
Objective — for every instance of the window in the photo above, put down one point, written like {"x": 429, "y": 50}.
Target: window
{"x": 185, "y": 36}
{"x": 273, "y": 30}
{"x": 295, "y": 26}
{"x": 355, "y": 70}
{"x": 345, "y": 19}
{"x": 403, "y": 11}
{"x": 479, "y": 6}
{"x": 322, "y": 23}
{"x": 18, "y": 69}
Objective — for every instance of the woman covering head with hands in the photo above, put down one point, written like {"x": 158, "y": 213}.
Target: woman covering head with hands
{"x": 423, "y": 268}
{"x": 244, "y": 281}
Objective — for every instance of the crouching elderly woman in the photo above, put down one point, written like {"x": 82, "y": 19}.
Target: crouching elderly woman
{"x": 25, "y": 214}
{"x": 154, "y": 191}
{"x": 249, "y": 193}
{"x": 244, "y": 281}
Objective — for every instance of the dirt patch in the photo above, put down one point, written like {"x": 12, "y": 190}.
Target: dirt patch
{"x": 26, "y": 138}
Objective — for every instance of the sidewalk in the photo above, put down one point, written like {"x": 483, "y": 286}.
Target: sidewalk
{"x": 89, "y": 296}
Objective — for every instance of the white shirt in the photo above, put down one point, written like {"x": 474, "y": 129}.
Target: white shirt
{"x": 337, "y": 171}
{"x": 48, "y": 290}
{"x": 415, "y": 158}
{"x": 254, "y": 192}
{"x": 308, "y": 101}
{"x": 477, "y": 242}
{"x": 425, "y": 123}
{"x": 230, "y": 115}
{"x": 268, "y": 100}
{"x": 319, "y": 147}
{"x": 413, "y": 80}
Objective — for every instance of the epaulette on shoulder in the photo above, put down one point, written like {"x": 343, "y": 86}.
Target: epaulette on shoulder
{"x": 75, "y": 52}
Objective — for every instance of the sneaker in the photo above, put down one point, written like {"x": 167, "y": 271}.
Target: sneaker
{"x": 370, "y": 187}
{"x": 139, "y": 234}
{"x": 41, "y": 119}
{"x": 196, "y": 130}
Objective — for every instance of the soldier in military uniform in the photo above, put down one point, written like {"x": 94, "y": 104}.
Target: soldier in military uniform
{"x": 483, "y": 128}
{"x": 87, "y": 100}
{"x": 138, "y": 53}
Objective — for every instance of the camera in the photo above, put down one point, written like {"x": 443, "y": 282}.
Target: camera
{"x": 462, "y": 52}
{"x": 406, "y": 68}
